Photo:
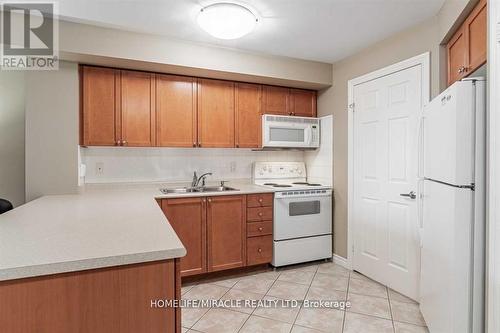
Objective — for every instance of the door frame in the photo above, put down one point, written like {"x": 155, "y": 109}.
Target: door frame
{"x": 422, "y": 60}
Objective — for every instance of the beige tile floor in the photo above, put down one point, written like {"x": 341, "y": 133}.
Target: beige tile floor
{"x": 374, "y": 308}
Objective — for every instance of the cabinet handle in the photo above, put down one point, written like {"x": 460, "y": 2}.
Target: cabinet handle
{"x": 259, "y": 250}
{"x": 260, "y": 229}
{"x": 461, "y": 69}
{"x": 194, "y": 144}
{"x": 199, "y": 144}
{"x": 119, "y": 142}
{"x": 260, "y": 200}
{"x": 204, "y": 200}
{"x": 237, "y": 145}
{"x": 209, "y": 200}
{"x": 260, "y": 214}
{"x": 124, "y": 143}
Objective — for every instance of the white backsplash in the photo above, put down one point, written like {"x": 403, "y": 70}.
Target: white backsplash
{"x": 122, "y": 164}
{"x": 319, "y": 162}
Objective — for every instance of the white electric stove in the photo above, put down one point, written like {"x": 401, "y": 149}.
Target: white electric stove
{"x": 302, "y": 212}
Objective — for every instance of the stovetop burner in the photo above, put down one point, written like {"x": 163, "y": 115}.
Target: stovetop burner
{"x": 306, "y": 183}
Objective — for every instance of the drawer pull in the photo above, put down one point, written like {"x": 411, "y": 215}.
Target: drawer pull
{"x": 260, "y": 200}
{"x": 259, "y": 250}
{"x": 260, "y": 214}
{"x": 260, "y": 228}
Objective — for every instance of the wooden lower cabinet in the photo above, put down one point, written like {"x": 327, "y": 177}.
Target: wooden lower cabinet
{"x": 226, "y": 231}
{"x": 259, "y": 250}
{"x": 188, "y": 218}
{"x": 217, "y": 232}
{"x": 116, "y": 299}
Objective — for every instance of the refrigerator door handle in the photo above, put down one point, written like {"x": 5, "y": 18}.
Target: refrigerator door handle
{"x": 471, "y": 187}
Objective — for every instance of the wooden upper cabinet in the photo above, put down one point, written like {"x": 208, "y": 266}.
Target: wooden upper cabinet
{"x": 226, "y": 232}
{"x": 188, "y": 218}
{"x": 475, "y": 33}
{"x": 248, "y": 115}
{"x": 215, "y": 113}
{"x": 176, "y": 111}
{"x": 457, "y": 56}
{"x": 466, "y": 50}
{"x": 99, "y": 100}
{"x": 303, "y": 102}
{"x": 275, "y": 100}
{"x": 138, "y": 117}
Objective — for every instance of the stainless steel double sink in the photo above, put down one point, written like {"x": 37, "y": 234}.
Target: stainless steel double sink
{"x": 203, "y": 189}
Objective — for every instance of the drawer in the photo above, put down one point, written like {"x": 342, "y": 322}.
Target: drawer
{"x": 259, "y": 228}
{"x": 259, "y": 214}
{"x": 260, "y": 200}
{"x": 259, "y": 250}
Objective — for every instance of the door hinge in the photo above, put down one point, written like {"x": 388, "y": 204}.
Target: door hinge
{"x": 351, "y": 106}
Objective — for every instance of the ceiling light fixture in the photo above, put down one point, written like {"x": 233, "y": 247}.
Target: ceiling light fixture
{"x": 227, "y": 20}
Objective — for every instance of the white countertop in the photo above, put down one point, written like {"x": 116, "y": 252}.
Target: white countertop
{"x": 106, "y": 225}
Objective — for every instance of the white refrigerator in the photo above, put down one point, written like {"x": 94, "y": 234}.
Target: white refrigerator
{"x": 452, "y": 206}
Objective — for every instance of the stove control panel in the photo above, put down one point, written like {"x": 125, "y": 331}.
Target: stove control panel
{"x": 279, "y": 170}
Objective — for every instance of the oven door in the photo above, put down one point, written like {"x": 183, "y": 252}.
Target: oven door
{"x": 289, "y": 135}
{"x": 298, "y": 216}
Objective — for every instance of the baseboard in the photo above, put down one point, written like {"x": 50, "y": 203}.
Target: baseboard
{"x": 341, "y": 261}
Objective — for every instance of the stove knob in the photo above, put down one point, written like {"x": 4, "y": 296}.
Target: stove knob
{"x": 299, "y": 171}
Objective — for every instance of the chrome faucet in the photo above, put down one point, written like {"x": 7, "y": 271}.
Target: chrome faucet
{"x": 196, "y": 180}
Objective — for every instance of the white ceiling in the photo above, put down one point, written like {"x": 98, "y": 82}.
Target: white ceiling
{"x": 321, "y": 30}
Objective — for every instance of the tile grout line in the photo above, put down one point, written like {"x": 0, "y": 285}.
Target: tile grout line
{"x": 251, "y": 314}
{"x": 346, "y": 298}
{"x": 307, "y": 292}
{"x": 208, "y": 309}
{"x": 390, "y": 308}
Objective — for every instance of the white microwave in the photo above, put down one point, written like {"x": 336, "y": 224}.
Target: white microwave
{"x": 290, "y": 132}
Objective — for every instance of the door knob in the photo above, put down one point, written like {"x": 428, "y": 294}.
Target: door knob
{"x": 411, "y": 195}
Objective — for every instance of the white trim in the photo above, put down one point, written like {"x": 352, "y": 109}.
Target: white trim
{"x": 422, "y": 60}
{"x": 341, "y": 261}
{"x": 493, "y": 182}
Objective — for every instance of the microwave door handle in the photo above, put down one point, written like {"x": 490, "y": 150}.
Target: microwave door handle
{"x": 309, "y": 136}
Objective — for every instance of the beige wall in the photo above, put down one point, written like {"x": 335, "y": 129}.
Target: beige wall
{"x": 12, "y": 136}
{"x": 105, "y": 46}
{"x": 425, "y": 37}
{"x": 52, "y": 131}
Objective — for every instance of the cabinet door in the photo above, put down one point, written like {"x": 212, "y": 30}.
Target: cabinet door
{"x": 215, "y": 113}
{"x": 226, "y": 230}
{"x": 275, "y": 100}
{"x": 457, "y": 56}
{"x": 99, "y": 100}
{"x": 303, "y": 102}
{"x": 188, "y": 218}
{"x": 248, "y": 115}
{"x": 176, "y": 111}
{"x": 137, "y": 109}
{"x": 475, "y": 32}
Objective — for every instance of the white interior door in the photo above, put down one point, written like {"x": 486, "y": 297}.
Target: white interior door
{"x": 385, "y": 224}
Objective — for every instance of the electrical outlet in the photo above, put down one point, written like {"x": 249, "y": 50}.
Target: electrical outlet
{"x": 232, "y": 166}
{"x": 99, "y": 168}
